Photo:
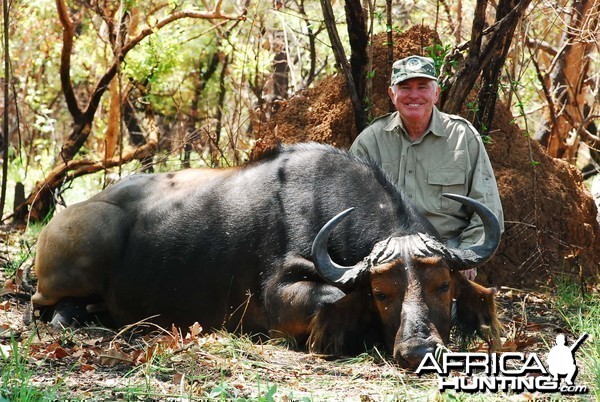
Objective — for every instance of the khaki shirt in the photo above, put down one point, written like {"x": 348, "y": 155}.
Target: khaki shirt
{"x": 449, "y": 158}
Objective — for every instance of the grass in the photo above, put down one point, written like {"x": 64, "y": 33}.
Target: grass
{"x": 227, "y": 367}
{"x": 17, "y": 376}
{"x": 581, "y": 313}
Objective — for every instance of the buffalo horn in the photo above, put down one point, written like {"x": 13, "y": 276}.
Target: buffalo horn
{"x": 334, "y": 274}
{"x": 477, "y": 254}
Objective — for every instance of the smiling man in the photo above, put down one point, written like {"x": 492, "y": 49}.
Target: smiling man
{"x": 427, "y": 152}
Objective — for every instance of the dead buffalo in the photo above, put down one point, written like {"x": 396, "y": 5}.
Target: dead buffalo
{"x": 264, "y": 249}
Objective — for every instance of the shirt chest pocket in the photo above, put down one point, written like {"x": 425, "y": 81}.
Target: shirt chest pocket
{"x": 446, "y": 180}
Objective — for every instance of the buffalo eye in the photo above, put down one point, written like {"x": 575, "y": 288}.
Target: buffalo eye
{"x": 444, "y": 287}
{"x": 380, "y": 296}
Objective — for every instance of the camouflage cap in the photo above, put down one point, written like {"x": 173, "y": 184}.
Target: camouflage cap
{"x": 413, "y": 67}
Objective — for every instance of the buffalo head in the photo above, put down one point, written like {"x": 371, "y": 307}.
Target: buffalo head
{"x": 411, "y": 287}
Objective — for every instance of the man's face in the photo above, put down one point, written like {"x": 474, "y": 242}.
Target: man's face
{"x": 414, "y": 98}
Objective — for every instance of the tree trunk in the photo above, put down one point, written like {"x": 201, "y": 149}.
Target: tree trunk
{"x": 342, "y": 64}
{"x": 5, "y": 128}
{"x": 281, "y": 72}
{"x": 454, "y": 96}
{"x": 277, "y": 85}
{"x": 312, "y": 45}
{"x": 390, "y": 47}
{"x": 568, "y": 81}
{"x": 488, "y": 94}
{"x": 215, "y": 146}
{"x": 482, "y": 56}
{"x": 359, "y": 58}
{"x": 113, "y": 129}
{"x": 201, "y": 80}
{"x": 136, "y": 135}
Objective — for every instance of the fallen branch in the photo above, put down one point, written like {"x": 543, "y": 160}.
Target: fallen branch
{"x": 71, "y": 170}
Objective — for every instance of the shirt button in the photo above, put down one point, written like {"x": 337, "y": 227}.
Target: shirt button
{"x": 410, "y": 171}
{"x": 409, "y": 196}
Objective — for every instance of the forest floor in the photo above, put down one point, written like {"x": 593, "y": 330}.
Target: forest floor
{"x": 151, "y": 364}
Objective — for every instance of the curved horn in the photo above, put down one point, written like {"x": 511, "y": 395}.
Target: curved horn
{"x": 334, "y": 274}
{"x": 478, "y": 254}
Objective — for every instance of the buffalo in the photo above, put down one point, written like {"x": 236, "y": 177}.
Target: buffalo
{"x": 309, "y": 243}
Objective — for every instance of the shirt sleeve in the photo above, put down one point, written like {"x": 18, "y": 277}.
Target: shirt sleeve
{"x": 365, "y": 146}
{"x": 359, "y": 148}
{"x": 483, "y": 188}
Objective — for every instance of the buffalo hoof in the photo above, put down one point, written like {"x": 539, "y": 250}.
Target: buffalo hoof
{"x": 69, "y": 312}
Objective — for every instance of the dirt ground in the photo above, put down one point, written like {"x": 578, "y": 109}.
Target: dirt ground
{"x": 550, "y": 217}
{"x": 98, "y": 363}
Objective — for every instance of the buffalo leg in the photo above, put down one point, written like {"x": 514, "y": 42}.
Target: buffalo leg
{"x": 292, "y": 299}
{"x": 476, "y": 312}
{"x": 348, "y": 326}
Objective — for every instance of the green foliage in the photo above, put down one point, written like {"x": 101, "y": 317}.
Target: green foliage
{"x": 11, "y": 267}
{"x": 368, "y": 106}
{"x": 21, "y": 252}
{"x": 163, "y": 76}
{"x": 269, "y": 395}
{"x": 438, "y": 53}
{"x": 222, "y": 392}
{"x": 153, "y": 60}
{"x": 17, "y": 374}
{"x": 472, "y": 106}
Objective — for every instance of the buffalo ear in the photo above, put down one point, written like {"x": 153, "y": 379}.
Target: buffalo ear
{"x": 346, "y": 327}
{"x": 475, "y": 313}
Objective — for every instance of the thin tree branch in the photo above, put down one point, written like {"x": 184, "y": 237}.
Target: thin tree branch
{"x": 60, "y": 174}
{"x": 207, "y": 15}
{"x": 65, "y": 59}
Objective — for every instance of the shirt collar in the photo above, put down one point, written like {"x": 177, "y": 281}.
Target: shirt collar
{"x": 436, "y": 126}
